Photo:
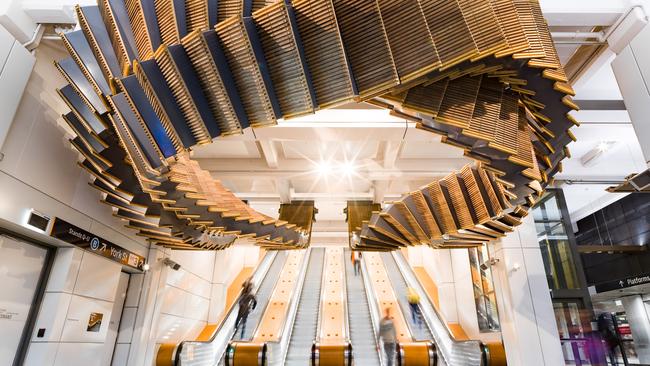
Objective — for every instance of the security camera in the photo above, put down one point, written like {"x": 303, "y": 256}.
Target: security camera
{"x": 171, "y": 264}
{"x": 487, "y": 264}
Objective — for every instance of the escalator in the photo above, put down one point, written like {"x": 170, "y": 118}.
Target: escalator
{"x": 419, "y": 332}
{"x": 362, "y": 334}
{"x": 450, "y": 351}
{"x": 262, "y": 295}
{"x": 306, "y": 320}
{"x": 211, "y": 352}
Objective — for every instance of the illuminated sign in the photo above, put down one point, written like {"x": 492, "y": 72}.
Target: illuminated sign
{"x": 81, "y": 238}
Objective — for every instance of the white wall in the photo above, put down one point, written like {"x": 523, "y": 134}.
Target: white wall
{"x": 80, "y": 283}
{"x": 15, "y": 66}
{"x": 39, "y": 169}
{"x": 632, "y": 70}
{"x": 526, "y": 315}
{"x": 176, "y": 305}
{"x": 450, "y": 271}
{"x": 21, "y": 265}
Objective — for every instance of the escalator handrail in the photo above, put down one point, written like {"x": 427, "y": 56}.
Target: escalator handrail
{"x": 320, "y": 296}
{"x": 374, "y": 310}
{"x": 259, "y": 273}
{"x": 287, "y": 327}
{"x": 412, "y": 281}
{"x": 346, "y": 314}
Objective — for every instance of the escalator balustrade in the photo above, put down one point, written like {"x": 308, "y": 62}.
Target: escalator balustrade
{"x": 409, "y": 352}
{"x": 333, "y": 347}
{"x": 269, "y": 329}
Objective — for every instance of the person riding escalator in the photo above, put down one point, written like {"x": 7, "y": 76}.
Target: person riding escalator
{"x": 247, "y": 302}
{"x": 388, "y": 337}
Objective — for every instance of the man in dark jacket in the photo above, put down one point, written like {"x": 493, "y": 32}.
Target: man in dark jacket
{"x": 247, "y": 301}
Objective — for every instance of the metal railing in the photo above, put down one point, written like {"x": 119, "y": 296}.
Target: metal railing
{"x": 208, "y": 353}
{"x": 452, "y": 352}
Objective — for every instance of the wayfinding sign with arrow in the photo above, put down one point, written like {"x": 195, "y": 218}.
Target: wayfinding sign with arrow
{"x": 81, "y": 238}
{"x": 623, "y": 283}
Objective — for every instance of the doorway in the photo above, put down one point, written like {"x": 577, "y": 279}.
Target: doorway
{"x": 114, "y": 324}
{"x": 24, "y": 268}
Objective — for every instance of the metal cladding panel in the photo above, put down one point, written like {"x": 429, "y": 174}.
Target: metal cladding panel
{"x": 98, "y": 30}
{"x": 82, "y": 49}
{"x": 301, "y": 51}
{"x": 78, "y": 80}
{"x": 137, "y": 130}
{"x": 167, "y": 101}
{"x": 78, "y": 106}
{"x": 193, "y": 85}
{"x": 123, "y": 26}
{"x": 151, "y": 22}
{"x": 213, "y": 8}
{"x": 98, "y": 165}
{"x": 83, "y": 132}
{"x": 220, "y": 61}
{"x": 135, "y": 92}
{"x": 261, "y": 63}
{"x": 181, "y": 21}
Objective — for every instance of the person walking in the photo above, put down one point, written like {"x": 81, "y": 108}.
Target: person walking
{"x": 388, "y": 337}
{"x": 247, "y": 301}
{"x": 356, "y": 262}
{"x": 414, "y": 303}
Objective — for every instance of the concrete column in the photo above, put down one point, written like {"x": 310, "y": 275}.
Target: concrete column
{"x": 637, "y": 317}
{"x": 144, "y": 340}
{"x": 528, "y": 325}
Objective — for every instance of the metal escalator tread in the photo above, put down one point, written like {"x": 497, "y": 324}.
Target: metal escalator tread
{"x": 306, "y": 321}
{"x": 364, "y": 348}
{"x": 419, "y": 333}
{"x": 262, "y": 295}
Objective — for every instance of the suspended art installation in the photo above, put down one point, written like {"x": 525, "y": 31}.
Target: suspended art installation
{"x": 151, "y": 79}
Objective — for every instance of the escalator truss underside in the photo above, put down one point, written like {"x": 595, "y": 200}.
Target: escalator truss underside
{"x": 148, "y": 80}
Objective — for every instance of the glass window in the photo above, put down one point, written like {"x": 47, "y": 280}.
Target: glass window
{"x": 554, "y": 243}
{"x": 484, "y": 296}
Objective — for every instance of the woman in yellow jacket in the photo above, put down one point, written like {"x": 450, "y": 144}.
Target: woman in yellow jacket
{"x": 414, "y": 303}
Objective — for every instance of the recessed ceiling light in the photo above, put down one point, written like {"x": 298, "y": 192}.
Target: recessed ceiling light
{"x": 348, "y": 168}
{"x": 603, "y": 146}
{"x": 324, "y": 168}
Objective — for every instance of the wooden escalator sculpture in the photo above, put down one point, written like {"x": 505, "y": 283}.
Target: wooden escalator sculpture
{"x": 151, "y": 79}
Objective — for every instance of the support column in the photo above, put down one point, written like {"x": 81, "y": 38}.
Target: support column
{"x": 637, "y": 318}
{"x": 528, "y": 325}
{"x": 632, "y": 70}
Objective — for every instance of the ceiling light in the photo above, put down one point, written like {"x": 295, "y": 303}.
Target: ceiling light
{"x": 603, "y": 146}
{"x": 324, "y": 168}
{"x": 592, "y": 155}
{"x": 348, "y": 168}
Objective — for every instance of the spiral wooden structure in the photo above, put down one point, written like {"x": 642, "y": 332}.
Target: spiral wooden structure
{"x": 151, "y": 79}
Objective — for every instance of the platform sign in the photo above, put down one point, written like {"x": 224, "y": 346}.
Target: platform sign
{"x": 81, "y": 238}
{"x": 623, "y": 283}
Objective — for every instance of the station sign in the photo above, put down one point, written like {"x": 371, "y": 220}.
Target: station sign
{"x": 623, "y": 283}
{"x": 81, "y": 238}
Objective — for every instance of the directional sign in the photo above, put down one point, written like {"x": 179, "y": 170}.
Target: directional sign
{"x": 81, "y": 238}
{"x": 623, "y": 283}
